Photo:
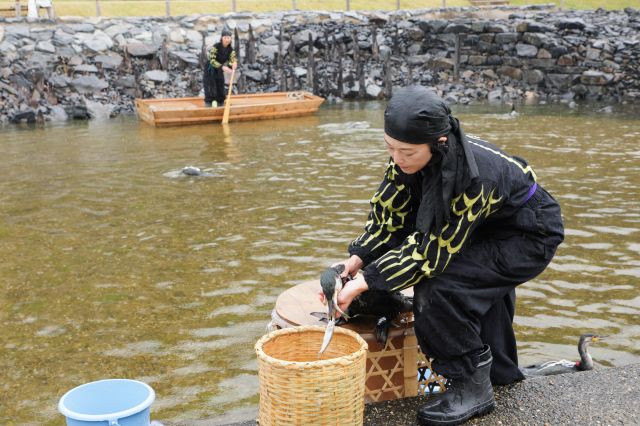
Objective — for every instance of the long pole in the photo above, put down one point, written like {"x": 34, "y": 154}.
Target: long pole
{"x": 233, "y": 5}
{"x": 227, "y": 102}
{"x": 167, "y": 7}
{"x": 97, "y": 7}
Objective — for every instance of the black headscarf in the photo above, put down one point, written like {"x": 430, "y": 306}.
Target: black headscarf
{"x": 417, "y": 115}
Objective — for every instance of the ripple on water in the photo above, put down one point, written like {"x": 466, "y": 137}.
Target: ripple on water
{"x": 147, "y": 347}
{"x": 237, "y": 310}
{"x": 613, "y": 230}
{"x": 236, "y": 388}
{"x": 555, "y": 321}
{"x": 632, "y": 272}
{"x": 577, "y": 233}
{"x": 51, "y": 331}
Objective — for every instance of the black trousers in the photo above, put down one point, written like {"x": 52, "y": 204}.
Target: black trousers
{"x": 213, "y": 82}
{"x": 473, "y": 301}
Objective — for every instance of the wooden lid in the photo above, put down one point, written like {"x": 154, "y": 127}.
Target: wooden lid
{"x": 295, "y": 305}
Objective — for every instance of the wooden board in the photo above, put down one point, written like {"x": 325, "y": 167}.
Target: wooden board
{"x": 294, "y": 306}
{"x": 187, "y": 111}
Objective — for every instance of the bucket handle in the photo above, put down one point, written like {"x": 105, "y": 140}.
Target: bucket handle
{"x": 114, "y": 422}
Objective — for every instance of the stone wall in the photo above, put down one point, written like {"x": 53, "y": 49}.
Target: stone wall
{"x": 75, "y": 68}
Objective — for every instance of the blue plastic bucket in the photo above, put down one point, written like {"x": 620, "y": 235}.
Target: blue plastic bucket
{"x": 112, "y": 402}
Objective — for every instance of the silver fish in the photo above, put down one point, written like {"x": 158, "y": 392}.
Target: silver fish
{"x": 328, "y": 335}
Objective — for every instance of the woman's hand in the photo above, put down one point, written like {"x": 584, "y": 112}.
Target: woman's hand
{"x": 226, "y": 69}
{"x": 350, "y": 291}
{"x": 351, "y": 266}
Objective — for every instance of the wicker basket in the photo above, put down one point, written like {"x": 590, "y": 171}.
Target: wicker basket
{"x": 299, "y": 388}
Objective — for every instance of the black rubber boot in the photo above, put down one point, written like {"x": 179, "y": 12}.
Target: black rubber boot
{"x": 465, "y": 397}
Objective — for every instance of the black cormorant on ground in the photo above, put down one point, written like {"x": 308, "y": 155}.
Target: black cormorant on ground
{"x": 551, "y": 368}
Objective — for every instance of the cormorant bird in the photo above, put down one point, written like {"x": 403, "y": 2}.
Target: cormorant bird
{"x": 383, "y": 305}
{"x": 331, "y": 284}
{"x": 551, "y": 368}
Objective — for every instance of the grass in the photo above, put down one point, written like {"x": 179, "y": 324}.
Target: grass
{"x": 112, "y": 8}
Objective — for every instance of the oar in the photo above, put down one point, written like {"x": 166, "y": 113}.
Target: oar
{"x": 227, "y": 102}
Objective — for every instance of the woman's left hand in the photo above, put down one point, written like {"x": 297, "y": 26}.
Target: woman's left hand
{"x": 350, "y": 291}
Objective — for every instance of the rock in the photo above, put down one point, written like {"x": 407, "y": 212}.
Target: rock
{"x": 571, "y": 24}
{"x": 97, "y": 41}
{"x": 79, "y": 28}
{"x": 109, "y": 61}
{"x": 560, "y": 81}
{"x": 141, "y": 50}
{"x": 441, "y": 63}
{"x": 268, "y": 51}
{"x": 7, "y": 47}
{"x": 373, "y": 90}
{"x": 534, "y": 27}
{"x": 194, "y": 39}
{"x": 526, "y": 50}
{"x": 119, "y": 28}
{"x": 45, "y": 46}
{"x": 253, "y": 75}
{"x": 506, "y": 38}
{"x": 88, "y": 83}
{"x": 98, "y": 110}
{"x": 157, "y": 75}
{"x": 58, "y": 113}
{"x": 177, "y": 35}
{"x": 533, "y": 76}
{"x": 457, "y": 28}
{"x": 531, "y": 98}
{"x": 77, "y": 111}
{"x": 511, "y": 72}
{"x": 28, "y": 116}
{"x": 59, "y": 80}
{"x": 86, "y": 68}
{"x": 597, "y": 78}
{"x": 186, "y": 57}
{"x": 17, "y": 31}
{"x": 495, "y": 95}
{"x": 61, "y": 38}
{"x": 300, "y": 72}
{"x": 127, "y": 81}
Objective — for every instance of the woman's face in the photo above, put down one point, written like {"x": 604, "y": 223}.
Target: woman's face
{"x": 226, "y": 40}
{"x": 411, "y": 158}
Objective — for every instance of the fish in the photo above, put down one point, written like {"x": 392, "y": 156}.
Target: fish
{"x": 328, "y": 335}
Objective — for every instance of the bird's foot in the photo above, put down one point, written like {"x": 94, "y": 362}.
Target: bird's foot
{"x": 382, "y": 331}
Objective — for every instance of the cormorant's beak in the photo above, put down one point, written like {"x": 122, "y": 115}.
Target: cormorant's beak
{"x": 331, "y": 315}
{"x": 598, "y": 338}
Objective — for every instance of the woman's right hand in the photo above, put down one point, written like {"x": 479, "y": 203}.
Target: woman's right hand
{"x": 351, "y": 266}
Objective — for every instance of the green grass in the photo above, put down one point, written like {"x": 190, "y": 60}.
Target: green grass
{"x": 112, "y": 8}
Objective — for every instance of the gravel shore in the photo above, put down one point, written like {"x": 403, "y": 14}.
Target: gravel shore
{"x": 599, "y": 397}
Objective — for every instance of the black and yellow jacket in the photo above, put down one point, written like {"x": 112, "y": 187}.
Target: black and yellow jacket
{"x": 220, "y": 56}
{"x": 398, "y": 254}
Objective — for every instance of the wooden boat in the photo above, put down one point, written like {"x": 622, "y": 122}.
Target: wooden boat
{"x": 186, "y": 111}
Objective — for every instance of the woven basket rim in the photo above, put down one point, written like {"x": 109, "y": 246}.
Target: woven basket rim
{"x": 305, "y": 364}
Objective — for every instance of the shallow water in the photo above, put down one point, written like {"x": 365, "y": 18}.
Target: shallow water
{"x": 114, "y": 265}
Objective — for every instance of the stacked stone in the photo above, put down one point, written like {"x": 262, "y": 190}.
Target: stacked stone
{"x": 97, "y": 67}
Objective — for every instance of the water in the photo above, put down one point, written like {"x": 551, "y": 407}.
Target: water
{"x": 114, "y": 265}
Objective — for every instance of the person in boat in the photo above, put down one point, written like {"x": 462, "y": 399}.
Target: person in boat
{"x": 463, "y": 223}
{"x": 221, "y": 59}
